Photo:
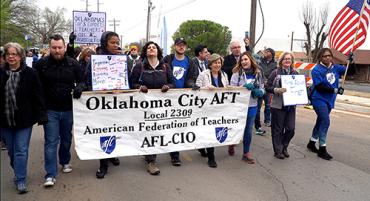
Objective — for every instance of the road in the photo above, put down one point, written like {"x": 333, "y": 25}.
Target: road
{"x": 302, "y": 177}
{"x": 358, "y": 87}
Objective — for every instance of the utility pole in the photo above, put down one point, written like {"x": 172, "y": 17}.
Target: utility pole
{"x": 148, "y": 19}
{"x": 87, "y": 5}
{"x": 115, "y": 23}
{"x": 252, "y": 27}
{"x": 98, "y": 4}
{"x": 291, "y": 42}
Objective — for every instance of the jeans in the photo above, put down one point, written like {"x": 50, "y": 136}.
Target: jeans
{"x": 267, "y": 111}
{"x": 248, "y": 129}
{"x": 17, "y": 143}
{"x": 58, "y": 130}
{"x": 320, "y": 130}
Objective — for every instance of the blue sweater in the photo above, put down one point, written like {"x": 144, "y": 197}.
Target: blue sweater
{"x": 329, "y": 77}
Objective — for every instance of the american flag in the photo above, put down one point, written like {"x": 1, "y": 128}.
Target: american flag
{"x": 344, "y": 26}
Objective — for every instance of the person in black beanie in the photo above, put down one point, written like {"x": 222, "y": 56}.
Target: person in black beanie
{"x": 109, "y": 45}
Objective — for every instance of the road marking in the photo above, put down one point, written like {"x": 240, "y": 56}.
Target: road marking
{"x": 351, "y": 113}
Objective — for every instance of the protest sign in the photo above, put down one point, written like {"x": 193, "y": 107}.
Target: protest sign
{"x": 88, "y": 26}
{"x": 132, "y": 123}
{"x": 29, "y": 61}
{"x": 296, "y": 93}
{"x": 109, "y": 72}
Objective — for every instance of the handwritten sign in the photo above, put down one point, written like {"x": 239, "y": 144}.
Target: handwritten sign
{"x": 296, "y": 93}
{"x": 109, "y": 72}
{"x": 88, "y": 26}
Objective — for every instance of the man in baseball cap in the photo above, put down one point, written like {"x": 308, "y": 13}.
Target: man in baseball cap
{"x": 185, "y": 73}
{"x": 178, "y": 41}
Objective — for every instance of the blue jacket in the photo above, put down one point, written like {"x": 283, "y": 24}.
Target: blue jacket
{"x": 328, "y": 77}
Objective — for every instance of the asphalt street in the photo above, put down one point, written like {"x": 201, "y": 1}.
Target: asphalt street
{"x": 302, "y": 177}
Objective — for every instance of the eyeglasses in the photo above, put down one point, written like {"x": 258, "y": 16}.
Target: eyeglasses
{"x": 236, "y": 47}
{"x": 11, "y": 54}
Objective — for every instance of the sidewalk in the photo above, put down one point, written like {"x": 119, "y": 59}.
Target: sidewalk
{"x": 354, "y": 101}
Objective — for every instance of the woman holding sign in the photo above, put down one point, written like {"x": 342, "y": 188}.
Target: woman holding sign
{"x": 325, "y": 76}
{"x": 210, "y": 79}
{"x": 109, "y": 45}
{"x": 152, "y": 73}
{"x": 247, "y": 73}
{"x": 282, "y": 117}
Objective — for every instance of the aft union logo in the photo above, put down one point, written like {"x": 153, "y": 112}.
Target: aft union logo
{"x": 221, "y": 133}
{"x": 178, "y": 72}
{"x": 108, "y": 143}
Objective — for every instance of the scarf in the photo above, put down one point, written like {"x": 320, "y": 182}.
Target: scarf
{"x": 219, "y": 80}
{"x": 11, "y": 87}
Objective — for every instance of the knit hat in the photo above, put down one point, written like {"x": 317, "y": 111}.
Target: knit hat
{"x": 272, "y": 51}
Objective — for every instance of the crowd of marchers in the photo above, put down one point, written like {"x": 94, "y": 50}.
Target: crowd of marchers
{"x": 43, "y": 95}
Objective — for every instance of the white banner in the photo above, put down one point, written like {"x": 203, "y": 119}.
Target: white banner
{"x": 88, "y": 26}
{"x": 296, "y": 93}
{"x": 133, "y": 123}
{"x": 109, "y": 72}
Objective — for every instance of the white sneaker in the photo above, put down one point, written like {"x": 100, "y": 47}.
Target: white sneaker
{"x": 67, "y": 168}
{"x": 50, "y": 182}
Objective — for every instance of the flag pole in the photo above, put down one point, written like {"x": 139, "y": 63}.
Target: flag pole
{"x": 354, "y": 41}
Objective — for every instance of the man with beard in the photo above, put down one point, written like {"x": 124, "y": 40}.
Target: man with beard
{"x": 185, "y": 73}
{"x": 60, "y": 75}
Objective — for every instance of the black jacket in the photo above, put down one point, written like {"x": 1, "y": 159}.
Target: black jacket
{"x": 59, "y": 78}
{"x": 29, "y": 97}
{"x": 192, "y": 74}
{"x": 229, "y": 64}
{"x": 267, "y": 67}
{"x": 144, "y": 74}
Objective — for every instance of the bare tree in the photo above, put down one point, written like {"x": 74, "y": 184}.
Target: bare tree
{"x": 315, "y": 25}
{"x": 41, "y": 24}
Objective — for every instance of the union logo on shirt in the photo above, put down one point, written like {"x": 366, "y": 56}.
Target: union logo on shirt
{"x": 330, "y": 77}
{"x": 178, "y": 72}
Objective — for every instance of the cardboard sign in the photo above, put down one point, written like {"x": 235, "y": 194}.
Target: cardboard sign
{"x": 88, "y": 26}
{"x": 109, "y": 72}
{"x": 296, "y": 93}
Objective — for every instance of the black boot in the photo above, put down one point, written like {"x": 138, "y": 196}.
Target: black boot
{"x": 211, "y": 160}
{"x": 202, "y": 152}
{"x": 322, "y": 153}
{"x": 114, "y": 161}
{"x": 285, "y": 152}
{"x": 102, "y": 171}
{"x": 312, "y": 147}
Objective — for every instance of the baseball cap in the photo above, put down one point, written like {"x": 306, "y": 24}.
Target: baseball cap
{"x": 180, "y": 40}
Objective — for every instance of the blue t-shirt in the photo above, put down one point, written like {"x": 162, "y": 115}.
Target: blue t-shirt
{"x": 330, "y": 78}
{"x": 179, "y": 69}
{"x": 215, "y": 80}
{"x": 250, "y": 78}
